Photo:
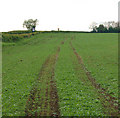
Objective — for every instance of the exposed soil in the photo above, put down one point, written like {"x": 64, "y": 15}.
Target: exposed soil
{"x": 108, "y": 102}
{"x": 62, "y": 42}
{"x": 43, "y": 99}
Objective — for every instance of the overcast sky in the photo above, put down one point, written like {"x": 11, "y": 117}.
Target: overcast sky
{"x": 65, "y": 14}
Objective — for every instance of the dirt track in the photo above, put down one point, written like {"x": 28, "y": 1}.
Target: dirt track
{"x": 43, "y": 99}
{"x": 106, "y": 99}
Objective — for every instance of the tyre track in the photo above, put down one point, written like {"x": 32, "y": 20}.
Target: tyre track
{"x": 43, "y": 99}
{"x": 106, "y": 99}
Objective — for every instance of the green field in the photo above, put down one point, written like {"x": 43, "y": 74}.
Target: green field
{"x": 61, "y": 74}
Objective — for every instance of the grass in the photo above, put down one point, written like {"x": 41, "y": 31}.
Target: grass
{"x": 22, "y": 61}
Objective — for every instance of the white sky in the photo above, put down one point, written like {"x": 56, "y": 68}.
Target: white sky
{"x": 65, "y": 14}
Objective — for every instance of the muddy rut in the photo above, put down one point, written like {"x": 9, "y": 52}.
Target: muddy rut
{"x": 43, "y": 98}
{"x": 109, "y": 103}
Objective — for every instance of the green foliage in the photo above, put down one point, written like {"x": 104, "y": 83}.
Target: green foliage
{"x": 19, "y": 32}
{"x": 21, "y": 66}
{"x": 107, "y": 27}
{"x": 100, "y": 55}
{"x": 16, "y": 36}
{"x": 101, "y": 29}
{"x": 77, "y": 98}
{"x": 30, "y": 24}
{"x": 23, "y": 60}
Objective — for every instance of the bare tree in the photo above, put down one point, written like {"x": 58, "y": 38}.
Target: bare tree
{"x": 93, "y": 26}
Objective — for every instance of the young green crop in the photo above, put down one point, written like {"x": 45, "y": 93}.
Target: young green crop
{"x": 21, "y": 66}
{"x": 77, "y": 98}
{"x": 23, "y": 60}
{"x": 100, "y": 56}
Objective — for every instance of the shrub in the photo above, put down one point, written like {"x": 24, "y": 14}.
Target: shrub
{"x": 14, "y": 36}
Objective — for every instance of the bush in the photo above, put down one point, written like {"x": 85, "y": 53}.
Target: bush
{"x": 14, "y": 36}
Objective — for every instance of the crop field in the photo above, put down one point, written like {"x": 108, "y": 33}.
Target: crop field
{"x": 61, "y": 74}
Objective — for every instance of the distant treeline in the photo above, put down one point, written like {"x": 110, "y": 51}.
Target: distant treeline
{"x": 106, "y": 27}
{"x": 53, "y": 31}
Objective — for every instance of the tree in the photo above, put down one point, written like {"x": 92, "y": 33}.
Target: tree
{"x": 106, "y": 27}
{"x": 30, "y": 24}
{"x": 111, "y": 29}
{"x": 101, "y": 28}
{"x": 93, "y": 26}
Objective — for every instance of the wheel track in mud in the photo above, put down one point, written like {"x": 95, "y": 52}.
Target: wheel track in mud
{"x": 106, "y": 99}
{"x": 43, "y": 101}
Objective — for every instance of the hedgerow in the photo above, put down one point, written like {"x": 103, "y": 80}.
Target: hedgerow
{"x": 16, "y": 36}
